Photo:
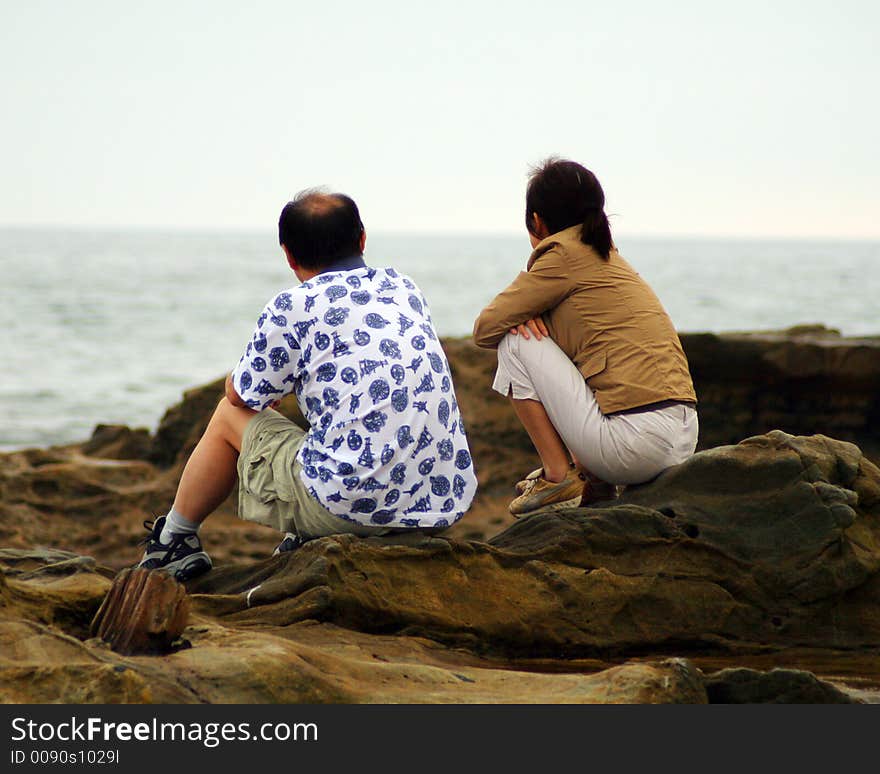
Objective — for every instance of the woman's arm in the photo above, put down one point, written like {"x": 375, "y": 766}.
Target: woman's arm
{"x": 535, "y": 291}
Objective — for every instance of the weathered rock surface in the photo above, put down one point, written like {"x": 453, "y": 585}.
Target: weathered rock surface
{"x": 145, "y": 611}
{"x": 46, "y": 656}
{"x": 119, "y": 442}
{"x": 773, "y": 542}
{"x": 778, "y": 686}
{"x": 314, "y": 662}
{"x": 96, "y": 495}
{"x": 805, "y": 380}
{"x": 766, "y": 549}
{"x": 51, "y": 587}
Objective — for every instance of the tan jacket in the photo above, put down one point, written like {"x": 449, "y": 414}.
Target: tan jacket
{"x": 603, "y": 315}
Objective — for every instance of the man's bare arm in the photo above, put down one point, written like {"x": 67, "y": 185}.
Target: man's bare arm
{"x": 232, "y": 396}
{"x": 235, "y": 399}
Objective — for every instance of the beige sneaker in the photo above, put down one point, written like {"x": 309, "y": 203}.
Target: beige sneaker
{"x": 540, "y": 494}
{"x": 521, "y": 486}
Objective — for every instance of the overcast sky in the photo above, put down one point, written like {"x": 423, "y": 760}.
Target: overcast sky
{"x": 746, "y": 119}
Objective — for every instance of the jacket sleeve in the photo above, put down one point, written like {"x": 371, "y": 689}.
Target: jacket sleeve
{"x": 535, "y": 291}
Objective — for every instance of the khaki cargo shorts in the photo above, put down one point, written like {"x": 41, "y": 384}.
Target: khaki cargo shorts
{"x": 271, "y": 490}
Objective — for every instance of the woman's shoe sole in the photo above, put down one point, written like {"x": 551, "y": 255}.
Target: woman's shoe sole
{"x": 560, "y": 506}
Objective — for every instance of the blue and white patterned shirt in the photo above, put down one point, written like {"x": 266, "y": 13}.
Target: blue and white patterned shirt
{"x": 357, "y": 346}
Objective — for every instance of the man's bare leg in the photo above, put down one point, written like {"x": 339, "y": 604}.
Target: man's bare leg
{"x": 209, "y": 475}
{"x": 554, "y": 456}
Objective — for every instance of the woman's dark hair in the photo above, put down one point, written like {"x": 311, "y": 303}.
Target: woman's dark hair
{"x": 565, "y": 194}
{"x": 320, "y": 228}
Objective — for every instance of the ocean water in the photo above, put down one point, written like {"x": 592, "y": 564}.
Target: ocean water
{"x": 113, "y": 326}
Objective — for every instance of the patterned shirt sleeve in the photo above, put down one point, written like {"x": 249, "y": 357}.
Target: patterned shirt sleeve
{"x": 267, "y": 370}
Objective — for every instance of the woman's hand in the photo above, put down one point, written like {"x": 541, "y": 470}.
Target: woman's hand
{"x": 535, "y": 325}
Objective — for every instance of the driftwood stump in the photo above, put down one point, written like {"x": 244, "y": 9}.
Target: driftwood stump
{"x": 145, "y": 611}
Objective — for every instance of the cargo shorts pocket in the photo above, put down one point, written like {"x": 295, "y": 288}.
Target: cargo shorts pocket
{"x": 269, "y": 449}
{"x": 257, "y": 479}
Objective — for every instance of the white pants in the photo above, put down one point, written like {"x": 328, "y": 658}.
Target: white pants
{"x": 618, "y": 448}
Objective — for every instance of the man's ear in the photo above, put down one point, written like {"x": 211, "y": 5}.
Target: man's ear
{"x": 363, "y": 239}
{"x": 291, "y": 261}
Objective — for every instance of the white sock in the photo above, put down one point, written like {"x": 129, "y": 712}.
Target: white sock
{"x": 176, "y": 523}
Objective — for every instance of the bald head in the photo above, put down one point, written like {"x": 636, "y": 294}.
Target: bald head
{"x": 316, "y": 202}
{"x": 319, "y": 228}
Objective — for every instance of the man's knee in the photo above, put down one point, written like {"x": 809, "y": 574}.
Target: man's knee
{"x": 219, "y": 419}
{"x": 221, "y": 411}
{"x": 229, "y": 421}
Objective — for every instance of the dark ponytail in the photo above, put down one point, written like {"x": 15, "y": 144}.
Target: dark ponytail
{"x": 596, "y": 232}
{"x": 566, "y": 194}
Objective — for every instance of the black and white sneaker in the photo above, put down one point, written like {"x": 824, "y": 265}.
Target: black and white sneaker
{"x": 183, "y": 557}
{"x": 290, "y": 543}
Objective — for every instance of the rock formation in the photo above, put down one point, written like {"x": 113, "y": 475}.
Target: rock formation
{"x": 804, "y": 380}
{"x": 46, "y": 656}
{"x": 751, "y": 556}
{"x": 144, "y": 612}
{"x": 771, "y": 543}
{"x": 778, "y": 686}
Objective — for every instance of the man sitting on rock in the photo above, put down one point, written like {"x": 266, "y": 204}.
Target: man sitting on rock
{"x": 386, "y": 452}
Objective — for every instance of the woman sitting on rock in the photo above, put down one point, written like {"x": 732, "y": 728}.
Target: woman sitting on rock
{"x": 587, "y": 354}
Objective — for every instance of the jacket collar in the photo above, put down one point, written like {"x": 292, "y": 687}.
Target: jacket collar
{"x": 345, "y": 264}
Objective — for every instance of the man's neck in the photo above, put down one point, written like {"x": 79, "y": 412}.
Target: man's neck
{"x": 343, "y": 264}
